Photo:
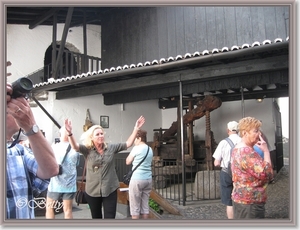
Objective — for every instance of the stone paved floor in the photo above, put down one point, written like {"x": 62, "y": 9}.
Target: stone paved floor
{"x": 277, "y": 206}
{"x": 81, "y": 211}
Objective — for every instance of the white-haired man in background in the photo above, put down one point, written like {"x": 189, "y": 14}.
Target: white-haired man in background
{"x": 222, "y": 159}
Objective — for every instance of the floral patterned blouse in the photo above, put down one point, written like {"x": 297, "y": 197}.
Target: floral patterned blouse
{"x": 250, "y": 175}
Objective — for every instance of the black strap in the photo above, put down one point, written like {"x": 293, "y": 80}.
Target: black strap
{"x": 141, "y": 160}
{"x": 83, "y": 172}
{"x": 68, "y": 149}
{"x": 15, "y": 141}
{"x": 83, "y": 175}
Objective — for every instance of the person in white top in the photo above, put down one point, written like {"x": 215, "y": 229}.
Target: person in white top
{"x": 222, "y": 158}
{"x": 63, "y": 186}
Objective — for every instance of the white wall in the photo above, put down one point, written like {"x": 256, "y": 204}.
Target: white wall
{"x": 121, "y": 122}
{"x": 284, "y": 109}
{"x": 26, "y": 48}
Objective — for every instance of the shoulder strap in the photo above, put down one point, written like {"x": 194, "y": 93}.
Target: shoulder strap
{"x": 230, "y": 142}
{"x": 141, "y": 160}
{"x": 68, "y": 149}
{"x": 231, "y": 145}
{"x": 15, "y": 141}
{"x": 83, "y": 172}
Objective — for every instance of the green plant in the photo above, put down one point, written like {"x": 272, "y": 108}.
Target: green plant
{"x": 155, "y": 206}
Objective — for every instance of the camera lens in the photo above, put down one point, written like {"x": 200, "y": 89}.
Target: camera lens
{"x": 26, "y": 84}
{"x": 21, "y": 87}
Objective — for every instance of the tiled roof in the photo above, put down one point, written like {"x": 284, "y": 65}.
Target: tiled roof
{"x": 161, "y": 61}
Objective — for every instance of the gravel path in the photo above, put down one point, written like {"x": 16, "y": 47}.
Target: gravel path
{"x": 277, "y": 206}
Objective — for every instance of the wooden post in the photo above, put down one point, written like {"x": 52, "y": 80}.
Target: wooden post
{"x": 208, "y": 142}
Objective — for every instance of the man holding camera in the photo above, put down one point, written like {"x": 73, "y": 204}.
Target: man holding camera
{"x": 26, "y": 173}
{"x": 63, "y": 186}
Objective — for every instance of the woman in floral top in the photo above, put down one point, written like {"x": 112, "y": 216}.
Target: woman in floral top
{"x": 250, "y": 172}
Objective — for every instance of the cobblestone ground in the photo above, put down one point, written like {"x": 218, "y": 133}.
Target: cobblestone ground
{"x": 277, "y": 206}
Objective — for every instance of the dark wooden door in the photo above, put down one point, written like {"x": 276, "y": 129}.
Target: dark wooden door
{"x": 278, "y": 164}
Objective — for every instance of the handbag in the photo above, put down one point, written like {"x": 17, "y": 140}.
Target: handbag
{"x": 80, "y": 193}
{"x": 127, "y": 176}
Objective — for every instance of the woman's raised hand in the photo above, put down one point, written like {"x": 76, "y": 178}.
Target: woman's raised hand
{"x": 139, "y": 123}
{"x": 262, "y": 144}
{"x": 68, "y": 125}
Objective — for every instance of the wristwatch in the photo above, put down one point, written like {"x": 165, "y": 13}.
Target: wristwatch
{"x": 35, "y": 129}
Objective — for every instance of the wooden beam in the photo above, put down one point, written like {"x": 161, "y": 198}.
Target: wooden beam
{"x": 63, "y": 41}
{"x": 153, "y": 214}
{"x": 123, "y": 195}
{"x": 54, "y": 37}
{"x": 202, "y": 86}
{"x": 43, "y": 18}
{"x": 85, "y": 60}
{"x": 165, "y": 204}
{"x": 274, "y": 93}
{"x": 203, "y": 75}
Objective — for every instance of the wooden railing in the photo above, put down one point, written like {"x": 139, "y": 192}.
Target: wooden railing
{"x": 70, "y": 65}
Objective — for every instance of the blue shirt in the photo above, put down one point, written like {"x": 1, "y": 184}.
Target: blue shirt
{"x": 20, "y": 202}
{"x": 66, "y": 182}
{"x": 258, "y": 150}
{"x": 144, "y": 171}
